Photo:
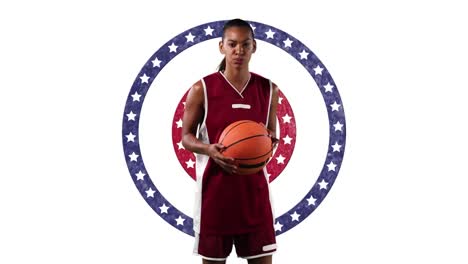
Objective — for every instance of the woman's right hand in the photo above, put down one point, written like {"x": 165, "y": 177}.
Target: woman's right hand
{"x": 226, "y": 163}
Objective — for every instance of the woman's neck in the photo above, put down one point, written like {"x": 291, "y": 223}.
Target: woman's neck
{"x": 237, "y": 77}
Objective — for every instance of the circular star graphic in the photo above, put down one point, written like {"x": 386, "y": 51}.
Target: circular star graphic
{"x": 283, "y": 41}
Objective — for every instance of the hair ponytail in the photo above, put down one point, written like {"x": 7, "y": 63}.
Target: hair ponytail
{"x": 222, "y": 65}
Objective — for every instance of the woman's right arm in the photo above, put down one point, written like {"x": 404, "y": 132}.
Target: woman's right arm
{"x": 193, "y": 115}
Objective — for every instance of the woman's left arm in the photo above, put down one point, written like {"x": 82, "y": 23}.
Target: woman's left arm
{"x": 272, "y": 115}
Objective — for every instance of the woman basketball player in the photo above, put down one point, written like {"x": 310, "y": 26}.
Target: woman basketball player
{"x": 230, "y": 209}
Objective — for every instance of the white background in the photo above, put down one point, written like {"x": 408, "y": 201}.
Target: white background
{"x": 65, "y": 72}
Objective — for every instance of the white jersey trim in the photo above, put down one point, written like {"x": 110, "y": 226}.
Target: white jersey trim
{"x": 213, "y": 259}
{"x": 260, "y": 255}
{"x": 233, "y": 87}
{"x": 269, "y": 247}
{"x": 201, "y": 163}
{"x": 205, "y": 101}
{"x": 269, "y": 105}
{"x": 243, "y": 106}
{"x": 270, "y": 196}
{"x": 265, "y": 172}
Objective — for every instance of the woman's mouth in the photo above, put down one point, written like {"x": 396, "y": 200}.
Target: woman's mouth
{"x": 238, "y": 61}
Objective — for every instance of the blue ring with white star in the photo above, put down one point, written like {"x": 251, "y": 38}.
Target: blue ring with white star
{"x": 269, "y": 34}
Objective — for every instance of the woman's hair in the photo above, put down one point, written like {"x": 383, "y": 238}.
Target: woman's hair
{"x": 233, "y": 23}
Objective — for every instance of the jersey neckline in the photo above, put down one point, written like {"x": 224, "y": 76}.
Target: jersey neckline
{"x": 233, "y": 87}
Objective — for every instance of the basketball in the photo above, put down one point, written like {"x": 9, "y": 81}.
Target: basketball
{"x": 249, "y": 143}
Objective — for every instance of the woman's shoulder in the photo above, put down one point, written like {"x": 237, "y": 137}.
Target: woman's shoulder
{"x": 259, "y": 77}
{"x": 212, "y": 75}
{"x": 198, "y": 85}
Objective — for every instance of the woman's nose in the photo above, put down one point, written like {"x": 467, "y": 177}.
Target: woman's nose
{"x": 239, "y": 49}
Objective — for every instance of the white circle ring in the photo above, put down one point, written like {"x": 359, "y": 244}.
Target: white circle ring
{"x": 318, "y": 71}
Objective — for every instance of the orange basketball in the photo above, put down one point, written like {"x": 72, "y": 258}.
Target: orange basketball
{"x": 249, "y": 143}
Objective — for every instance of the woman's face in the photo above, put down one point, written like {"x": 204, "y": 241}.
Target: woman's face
{"x": 238, "y": 46}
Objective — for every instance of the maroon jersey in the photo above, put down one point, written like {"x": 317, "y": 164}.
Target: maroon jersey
{"x": 231, "y": 204}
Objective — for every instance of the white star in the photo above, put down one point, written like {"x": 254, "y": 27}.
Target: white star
{"x": 156, "y": 62}
{"x": 311, "y": 200}
{"x": 280, "y": 159}
{"x": 336, "y": 147}
{"x": 328, "y": 87}
{"x": 335, "y": 106}
{"x": 304, "y": 55}
{"x": 190, "y": 37}
{"x": 180, "y": 221}
{"x": 280, "y": 100}
{"x": 270, "y": 34}
{"x": 318, "y": 70}
{"x": 295, "y": 216}
{"x": 133, "y": 156}
{"x": 253, "y": 28}
{"x": 323, "y": 184}
{"x": 130, "y": 137}
{"x": 184, "y": 103}
{"x": 150, "y": 193}
{"x": 131, "y": 116}
{"x": 163, "y": 209}
{"x": 331, "y": 166}
{"x": 144, "y": 78}
{"x": 287, "y": 139}
{"x": 180, "y": 145}
{"x": 172, "y": 47}
{"x": 286, "y": 119}
{"x": 208, "y": 31}
{"x": 190, "y": 163}
{"x": 278, "y": 226}
{"x": 287, "y": 43}
{"x": 140, "y": 175}
{"x": 136, "y": 97}
{"x": 179, "y": 123}
{"x": 338, "y": 126}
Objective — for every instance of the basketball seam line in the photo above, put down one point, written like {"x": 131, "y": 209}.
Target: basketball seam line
{"x": 240, "y": 140}
{"x": 248, "y": 121}
{"x": 270, "y": 151}
{"x": 251, "y": 166}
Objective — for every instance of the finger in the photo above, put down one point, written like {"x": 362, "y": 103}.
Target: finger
{"x": 229, "y": 160}
{"x": 230, "y": 166}
{"x": 232, "y": 169}
{"x": 227, "y": 168}
{"x": 220, "y": 146}
{"x": 227, "y": 165}
{"x": 226, "y": 159}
